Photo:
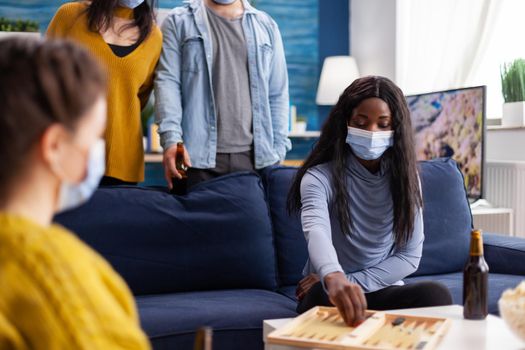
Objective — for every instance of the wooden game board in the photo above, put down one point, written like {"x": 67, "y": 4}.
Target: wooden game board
{"x": 323, "y": 327}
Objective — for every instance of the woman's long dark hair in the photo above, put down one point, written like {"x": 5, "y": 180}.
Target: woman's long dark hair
{"x": 100, "y": 14}
{"x": 400, "y": 158}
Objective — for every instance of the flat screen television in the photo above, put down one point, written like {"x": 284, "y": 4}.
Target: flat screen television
{"x": 451, "y": 123}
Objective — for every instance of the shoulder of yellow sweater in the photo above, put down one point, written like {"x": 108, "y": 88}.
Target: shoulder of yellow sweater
{"x": 25, "y": 237}
{"x": 66, "y": 16}
{"x": 155, "y": 37}
{"x": 73, "y": 8}
{"x": 156, "y": 32}
{"x": 51, "y": 248}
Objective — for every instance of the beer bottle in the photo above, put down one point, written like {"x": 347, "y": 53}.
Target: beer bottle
{"x": 475, "y": 280}
{"x": 180, "y": 186}
{"x": 203, "y": 339}
{"x": 179, "y": 160}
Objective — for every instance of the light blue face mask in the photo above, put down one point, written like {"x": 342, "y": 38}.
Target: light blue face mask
{"x": 369, "y": 145}
{"x": 130, "y": 3}
{"x": 224, "y": 2}
{"x": 73, "y": 195}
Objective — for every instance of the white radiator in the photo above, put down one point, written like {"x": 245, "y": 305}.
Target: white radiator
{"x": 505, "y": 187}
{"x": 494, "y": 220}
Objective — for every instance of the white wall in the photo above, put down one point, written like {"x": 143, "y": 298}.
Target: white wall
{"x": 373, "y": 36}
{"x": 505, "y": 144}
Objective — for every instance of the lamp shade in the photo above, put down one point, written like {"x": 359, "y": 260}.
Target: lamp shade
{"x": 338, "y": 72}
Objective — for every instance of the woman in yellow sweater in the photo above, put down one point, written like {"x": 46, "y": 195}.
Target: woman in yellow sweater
{"x": 123, "y": 35}
{"x": 55, "y": 292}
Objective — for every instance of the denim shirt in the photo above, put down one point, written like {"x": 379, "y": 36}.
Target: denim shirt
{"x": 184, "y": 104}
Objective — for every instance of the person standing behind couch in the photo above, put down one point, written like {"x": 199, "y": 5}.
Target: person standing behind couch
{"x": 56, "y": 293}
{"x": 222, "y": 88}
{"x": 123, "y": 35}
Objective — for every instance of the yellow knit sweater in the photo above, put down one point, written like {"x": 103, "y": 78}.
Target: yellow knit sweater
{"x": 56, "y": 293}
{"x": 130, "y": 85}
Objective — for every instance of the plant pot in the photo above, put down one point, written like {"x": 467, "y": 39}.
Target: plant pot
{"x": 513, "y": 114}
{"x": 4, "y": 35}
{"x": 300, "y": 126}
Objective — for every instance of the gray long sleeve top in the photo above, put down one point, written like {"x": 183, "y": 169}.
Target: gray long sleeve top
{"x": 368, "y": 256}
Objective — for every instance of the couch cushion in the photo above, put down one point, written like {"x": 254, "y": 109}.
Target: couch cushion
{"x": 498, "y": 283}
{"x": 236, "y": 317}
{"x": 290, "y": 243}
{"x": 289, "y": 292}
{"x": 447, "y": 218}
{"x": 219, "y": 236}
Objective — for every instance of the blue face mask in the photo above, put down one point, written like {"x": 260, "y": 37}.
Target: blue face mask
{"x": 369, "y": 145}
{"x": 224, "y": 2}
{"x": 130, "y": 3}
{"x": 73, "y": 195}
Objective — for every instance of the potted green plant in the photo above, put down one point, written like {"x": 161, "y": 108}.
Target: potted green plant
{"x": 18, "y": 27}
{"x": 513, "y": 88}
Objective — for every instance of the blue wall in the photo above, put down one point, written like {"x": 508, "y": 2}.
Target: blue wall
{"x": 298, "y": 21}
{"x": 334, "y": 37}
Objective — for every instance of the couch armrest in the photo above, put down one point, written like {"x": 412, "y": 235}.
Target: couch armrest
{"x": 504, "y": 254}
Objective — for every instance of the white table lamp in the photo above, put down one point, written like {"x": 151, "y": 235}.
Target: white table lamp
{"x": 338, "y": 72}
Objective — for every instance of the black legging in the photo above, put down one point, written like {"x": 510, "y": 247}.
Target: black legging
{"x": 420, "y": 294}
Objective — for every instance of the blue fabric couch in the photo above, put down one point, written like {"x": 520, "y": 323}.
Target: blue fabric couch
{"x": 227, "y": 255}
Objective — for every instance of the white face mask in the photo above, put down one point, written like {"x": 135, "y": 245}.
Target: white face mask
{"x": 224, "y": 2}
{"x": 130, "y": 3}
{"x": 369, "y": 145}
{"x": 73, "y": 195}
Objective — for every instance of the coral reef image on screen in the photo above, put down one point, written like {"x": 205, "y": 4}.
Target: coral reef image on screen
{"x": 450, "y": 124}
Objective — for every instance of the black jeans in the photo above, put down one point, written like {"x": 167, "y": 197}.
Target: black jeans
{"x": 420, "y": 294}
{"x": 225, "y": 163}
{"x": 112, "y": 181}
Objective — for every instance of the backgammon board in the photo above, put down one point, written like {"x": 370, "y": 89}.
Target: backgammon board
{"x": 323, "y": 328}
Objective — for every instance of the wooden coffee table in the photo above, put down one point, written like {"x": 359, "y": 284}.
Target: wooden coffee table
{"x": 491, "y": 333}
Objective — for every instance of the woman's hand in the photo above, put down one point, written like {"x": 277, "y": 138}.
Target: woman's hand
{"x": 347, "y": 297}
{"x": 305, "y": 284}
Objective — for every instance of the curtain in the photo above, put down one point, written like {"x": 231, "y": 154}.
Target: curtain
{"x": 439, "y": 41}
{"x": 446, "y": 44}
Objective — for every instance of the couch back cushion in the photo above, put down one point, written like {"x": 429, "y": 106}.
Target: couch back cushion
{"x": 447, "y": 218}
{"x": 219, "y": 236}
{"x": 447, "y": 221}
{"x": 290, "y": 244}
